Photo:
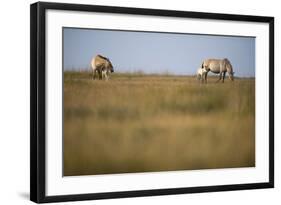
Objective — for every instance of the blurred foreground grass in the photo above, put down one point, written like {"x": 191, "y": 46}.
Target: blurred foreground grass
{"x": 140, "y": 123}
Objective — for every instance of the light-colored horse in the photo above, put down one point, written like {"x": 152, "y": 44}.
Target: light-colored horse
{"x": 201, "y": 74}
{"x": 101, "y": 66}
{"x": 218, "y": 66}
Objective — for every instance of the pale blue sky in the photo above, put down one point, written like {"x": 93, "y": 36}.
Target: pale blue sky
{"x": 153, "y": 52}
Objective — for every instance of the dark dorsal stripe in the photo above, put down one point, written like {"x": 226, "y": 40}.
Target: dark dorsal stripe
{"x": 103, "y": 57}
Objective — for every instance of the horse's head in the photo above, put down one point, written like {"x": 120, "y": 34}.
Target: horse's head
{"x": 109, "y": 66}
{"x": 229, "y": 69}
{"x": 231, "y": 76}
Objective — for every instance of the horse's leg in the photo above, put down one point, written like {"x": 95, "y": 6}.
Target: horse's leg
{"x": 93, "y": 74}
{"x": 104, "y": 75}
{"x": 107, "y": 75}
{"x": 219, "y": 77}
{"x": 203, "y": 78}
{"x": 230, "y": 76}
{"x": 206, "y": 77}
{"x": 100, "y": 74}
{"x": 223, "y": 76}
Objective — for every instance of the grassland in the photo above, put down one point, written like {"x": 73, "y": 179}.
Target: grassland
{"x": 141, "y": 123}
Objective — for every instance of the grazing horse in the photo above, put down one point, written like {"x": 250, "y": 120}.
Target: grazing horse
{"x": 201, "y": 74}
{"x": 101, "y": 66}
{"x": 218, "y": 66}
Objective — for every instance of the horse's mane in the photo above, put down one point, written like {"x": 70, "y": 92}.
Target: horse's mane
{"x": 103, "y": 57}
{"x": 226, "y": 59}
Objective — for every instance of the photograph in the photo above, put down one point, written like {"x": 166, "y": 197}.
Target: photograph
{"x": 134, "y": 102}
{"x": 150, "y": 101}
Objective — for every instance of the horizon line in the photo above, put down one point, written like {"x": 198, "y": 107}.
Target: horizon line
{"x": 139, "y": 72}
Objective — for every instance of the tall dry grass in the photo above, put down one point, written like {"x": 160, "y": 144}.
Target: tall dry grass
{"x": 141, "y": 123}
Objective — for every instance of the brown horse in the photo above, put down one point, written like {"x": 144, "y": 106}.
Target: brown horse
{"x": 101, "y": 66}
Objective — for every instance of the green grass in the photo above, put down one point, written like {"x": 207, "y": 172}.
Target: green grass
{"x": 140, "y": 123}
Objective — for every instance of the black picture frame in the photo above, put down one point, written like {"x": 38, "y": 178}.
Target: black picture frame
{"x": 38, "y": 101}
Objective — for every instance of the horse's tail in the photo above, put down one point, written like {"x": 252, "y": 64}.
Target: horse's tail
{"x": 202, "y": 66}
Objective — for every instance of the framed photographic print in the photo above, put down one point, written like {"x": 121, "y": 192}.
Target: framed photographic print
{"x": 129, "y": 102}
